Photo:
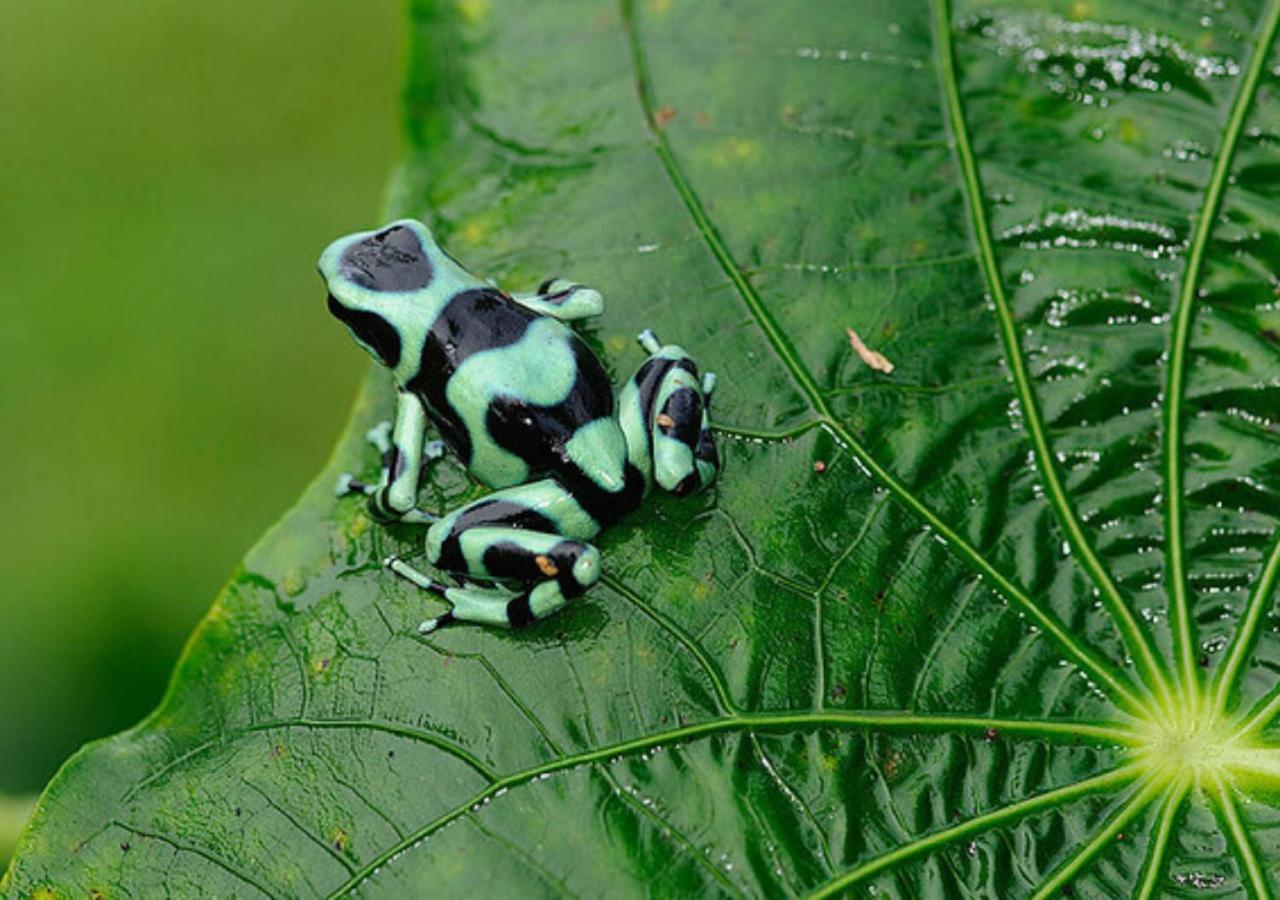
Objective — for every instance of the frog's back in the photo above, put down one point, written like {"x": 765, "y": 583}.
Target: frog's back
{"x": 508, "y": 388}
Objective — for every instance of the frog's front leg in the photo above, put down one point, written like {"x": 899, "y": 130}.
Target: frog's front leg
{"x": 403, "y": 447}
{"x": 521, "y": 552}
{"x": 562, "y": 299}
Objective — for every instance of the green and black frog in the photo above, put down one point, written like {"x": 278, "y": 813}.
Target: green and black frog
{"x": 529, "y": 409}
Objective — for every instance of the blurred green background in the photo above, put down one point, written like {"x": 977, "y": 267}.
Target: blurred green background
{"x": 169, "y": 378}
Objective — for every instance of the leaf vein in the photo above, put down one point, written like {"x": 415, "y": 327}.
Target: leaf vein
{"x": 1033, "y": 728}
{"x": 1176, "y": 378}
{"x": 1130, "y": 631}
{"x": 977, "y": 824}
{"x": 1100, "y": 668}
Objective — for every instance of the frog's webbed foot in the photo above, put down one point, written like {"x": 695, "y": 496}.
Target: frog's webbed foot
{"x": 380, "y": 437}
{"x": 562, "y": 299}
{"x": 347, "y": 484}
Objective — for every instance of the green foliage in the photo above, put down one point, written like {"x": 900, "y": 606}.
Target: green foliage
{"x": 170, "y": 380}
{"x": 994, "y": 623}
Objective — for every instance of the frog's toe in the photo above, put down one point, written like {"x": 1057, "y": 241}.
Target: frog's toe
{"x": 348, "y": 484}
{"x": 586, "y": 569}
{"x": 380, "y": 436}
{"x": 435, "y": 624}
{"x": 413, "y": 576}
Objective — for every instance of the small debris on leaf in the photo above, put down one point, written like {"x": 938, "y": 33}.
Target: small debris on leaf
{"x": 662, "y": 115}
{"x": 872, "y": 358}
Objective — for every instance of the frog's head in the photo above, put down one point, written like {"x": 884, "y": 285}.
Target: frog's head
{"x": 377, "y": 281}
{"x": 664, "y": 411}
{"x": 684, "y": 453}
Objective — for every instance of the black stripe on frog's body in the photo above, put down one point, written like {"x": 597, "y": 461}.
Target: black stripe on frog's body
{"x": 485, "y": 319}
{"x": 515, "y": 562}
{"x": 537, "y": 434}
{"x": 471, "y": 322}
{"x": 604, "y": 506}
{"x": 488, "y": 512}
{"x": 371, "y": 329}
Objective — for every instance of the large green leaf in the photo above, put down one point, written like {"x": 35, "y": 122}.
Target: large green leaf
{"x": 992, "y": 624}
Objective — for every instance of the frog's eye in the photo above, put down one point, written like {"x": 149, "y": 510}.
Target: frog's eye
{"x": 392, "y": 259}
{"x": 377, "y": 334}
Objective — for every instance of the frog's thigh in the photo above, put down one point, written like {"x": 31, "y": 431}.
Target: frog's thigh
{"x": 536, "y": 507}
{"x": 517, "y": 554}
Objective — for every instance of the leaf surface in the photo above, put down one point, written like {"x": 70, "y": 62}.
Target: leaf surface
{"x": 995, "y": 623}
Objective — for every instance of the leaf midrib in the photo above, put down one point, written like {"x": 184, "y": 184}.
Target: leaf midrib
{"x": 1100, "y": 668}
{"x": 1069, "y": 731}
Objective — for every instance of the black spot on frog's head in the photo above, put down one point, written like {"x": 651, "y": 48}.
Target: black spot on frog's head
{"x": 370, "y": 273}
{"x": 393, "y": 260}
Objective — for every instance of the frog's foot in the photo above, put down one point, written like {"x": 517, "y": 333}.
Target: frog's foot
{"x": 380, "y": 436}
{"x": 431, "y": 451}
{"x": 649, "y": 342}
{"x": 497, "y": 606}
{"x": 493, "y": 605}
{"x": 347, "y": 484}
{"x": 427, "y": 583}
{"x": 708, "y": 386}
{"x": 413, "y": 576}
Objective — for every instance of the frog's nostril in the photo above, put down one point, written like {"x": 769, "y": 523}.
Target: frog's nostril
{"x": 357, "y": 275}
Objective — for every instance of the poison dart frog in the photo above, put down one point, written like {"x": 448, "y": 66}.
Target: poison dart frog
{"x": 526, "y": 405}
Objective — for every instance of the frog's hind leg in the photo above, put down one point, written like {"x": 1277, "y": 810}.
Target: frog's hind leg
{"x": 494, "y": 605}
{"x": 521, "y": 553}
{"x": 562, "y": 299}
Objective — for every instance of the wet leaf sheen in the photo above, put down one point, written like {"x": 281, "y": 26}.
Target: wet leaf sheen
{"x": 998, "y": 622}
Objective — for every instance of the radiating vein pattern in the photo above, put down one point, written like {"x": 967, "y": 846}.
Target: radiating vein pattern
{"x": 998, "y": 623}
